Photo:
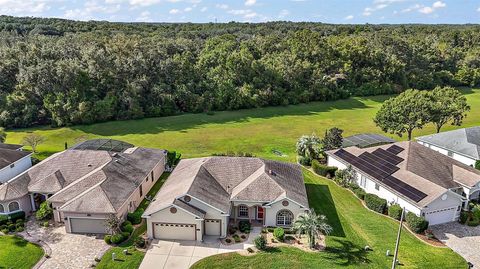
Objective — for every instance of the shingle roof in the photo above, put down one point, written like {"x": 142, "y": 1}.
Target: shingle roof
{"x": 464, "y": 141}
{"x": 10, "y": 146}
{"x": 218, "y": 180}
{"x": 9, "y": 156}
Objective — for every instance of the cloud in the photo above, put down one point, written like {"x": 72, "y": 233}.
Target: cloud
{"x": 91, "y": 10}
{"x": 349, "y": 17}
{"x": 439, "y": 4}
{"x": 250, "y": 2}
{"x": 221, "y": 6}
{"x": 203, "y": 9}
{"x": 174, "y": 11}
{"x": 380, "y": 5}
{"x": 24, "y": 7}
{"x": 283, "y": 13}
{"x": 426, "y": 9}
{"x": 144, "y": 17}
{"x": 247, "y": 14}
{"x": 143, "y": 3}
{"x": 478, "y": 9}
{"x": 187, "y": 9}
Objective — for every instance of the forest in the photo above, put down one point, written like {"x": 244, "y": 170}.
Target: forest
{"x": 59, "y": 72}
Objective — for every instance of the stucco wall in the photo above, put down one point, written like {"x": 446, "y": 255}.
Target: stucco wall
{"x": 20, "y": 166}
{"x": 271, "y": 213}
{"x": 211, "y": 213}
{"x": 180, "y": 217}
{"x": 331, "y": 161}
{"x": 23, "y": 202}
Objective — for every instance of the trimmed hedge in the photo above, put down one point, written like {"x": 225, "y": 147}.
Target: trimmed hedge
{"x": 395, "y": 211}
{"x": 260, "y": 242}
{"x": 360, "y": 193}
{"x": 375, "y": 203}
{"x": 135, "y": 217}
{"x": 323, "y": 170}
{"x": 416, "y": 223}
{"x": 13, "y": 217}
{"x": 244, "y": 226}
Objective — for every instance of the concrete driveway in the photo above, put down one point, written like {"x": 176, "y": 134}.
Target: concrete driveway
{"x": 177, "y": 254}
{"x": 462, "y": 239}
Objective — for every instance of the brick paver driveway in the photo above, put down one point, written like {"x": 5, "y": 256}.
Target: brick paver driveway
{"x": 462, "y": 239}
{"x": 68, "y": 250}
{"x": 179, "y": 254}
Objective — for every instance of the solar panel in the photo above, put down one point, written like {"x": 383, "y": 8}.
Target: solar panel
{"x": 391, "y": 158}
{"x": 379, "y": 162}
{"x": 395, "y": 149}
{"x": 404, "y": 188}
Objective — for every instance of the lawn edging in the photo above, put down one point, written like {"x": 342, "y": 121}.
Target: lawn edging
{"x": 386, "y": 216}
{"x": 47, "y": 251}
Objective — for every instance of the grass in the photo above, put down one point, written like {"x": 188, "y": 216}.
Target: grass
{"x": 18, "y": 253}
{"x": 134, "y": 257}
{"x": 259, "y": 131}
{"x": 354, "y": 227}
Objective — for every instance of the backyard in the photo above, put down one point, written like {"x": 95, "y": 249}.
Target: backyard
{"x": 18, "y": 253}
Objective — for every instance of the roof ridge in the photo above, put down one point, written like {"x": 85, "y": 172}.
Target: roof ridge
{"x": 249, "y": 180}
{"x": 85, "y": 192}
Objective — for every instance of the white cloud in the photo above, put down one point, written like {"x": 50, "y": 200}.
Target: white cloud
{"x": 144, "y": 17}
{"x": 143, "y": 3}
{"x": 247, "y": 14}
{"x": 478, "y": 9}
{"x": 91, "y": 9}
{"x": 174, "y": 11}
{"x": 187, "y": 9}
{"x": 426, "y": 10}
{"x": 24, "y": 7}
{"x": 221, "y": 6}
{"x": 283, "y": 13}
{"x": 349, "y": 17}
{"x": 439, "y": 4}
{"x": 250, "y": 2}
{"x": 380, "y": 5}
{"x": 203, "y": 9}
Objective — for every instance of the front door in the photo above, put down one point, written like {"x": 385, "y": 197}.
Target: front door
{"x": 259, "y": 212}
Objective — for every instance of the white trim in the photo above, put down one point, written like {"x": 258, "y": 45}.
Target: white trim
{"x": 278, "y": 200}
{"x": 172, "y": 205}
{"x": 11, "y": 202}
{"x": 447, "y": 149}
{"x": 180, "y": 196}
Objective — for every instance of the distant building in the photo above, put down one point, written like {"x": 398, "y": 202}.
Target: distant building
{"x": 13, "y": 161}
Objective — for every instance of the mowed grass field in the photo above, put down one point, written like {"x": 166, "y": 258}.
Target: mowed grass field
{"x": 259, "y": 131}
{"x": 18, "y": 253}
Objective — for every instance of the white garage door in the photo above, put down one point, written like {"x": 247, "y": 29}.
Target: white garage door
{"x": 212, "y": 227}
{"x": 87, "y": 225}
{"x": 441, "y": 216}
{"x": 172, "y": 231}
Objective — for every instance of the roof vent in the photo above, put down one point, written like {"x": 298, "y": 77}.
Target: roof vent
{"x": 271, "y": 172}
{"x": 89, "y": 165}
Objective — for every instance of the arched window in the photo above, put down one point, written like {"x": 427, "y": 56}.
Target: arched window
{"x": 243, "y": 211}
{"x": 284, "y": 217}
{"x": 13, "y": 206}
{"x": 2, "y": 210}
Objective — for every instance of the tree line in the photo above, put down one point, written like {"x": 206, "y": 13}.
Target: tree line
{"x": 62, "y": 72}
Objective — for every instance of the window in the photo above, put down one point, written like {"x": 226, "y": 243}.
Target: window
{"x": 2, "y": 210}
{"x": 363, "y": 181}
{"x": 284, "y": 218}
{"x": 377, "y": 187}
{"x": 243, "y": 211}
{"x": 141, "y": 190}
{"x": 13, "y": 206}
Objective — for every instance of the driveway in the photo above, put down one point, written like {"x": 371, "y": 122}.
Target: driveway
{"x": 67, "y": 250}
{"x": 179, "y": 254}
{"x": 462, "y": 239}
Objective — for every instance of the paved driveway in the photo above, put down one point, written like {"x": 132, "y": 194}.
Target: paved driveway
{"x": 462, "y": 239}
{"x": 177, "y": 254}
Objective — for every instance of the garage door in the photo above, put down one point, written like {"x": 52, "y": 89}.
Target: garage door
{"x": 441, "y": 216}
{"x": 86, "y": 225}
{"x": 171, "y": 231}
{"x": 212, "y": 227}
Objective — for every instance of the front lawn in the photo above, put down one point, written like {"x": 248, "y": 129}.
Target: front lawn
{"x": 18, "y": 253}
{"x": 134, "y": 258}
{"x": 354, "y": 228}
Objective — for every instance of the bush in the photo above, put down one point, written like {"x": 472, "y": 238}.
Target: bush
{"x": 279, "y": 233}
{"x": 323, "y": 170}
{"x": 19, "y": 229}
{"x": 375, "y": 203}
{"x": 236, "y": 238}
{"x": 260, "y": 242}
{"x": 117, "y": 238}
{"x": 476, "y": 211}
{"x": 135, "y": 217}
{"x": 13, "y": 217}
{"x": 228, "y": 240}
{"x": 477, "y": 164}
{"x": 250, "y": 250}
{"x": 473, "y": 222}
{"x": 11, "y": 227}
{"x": 395, "y": 211}
{"x": 125, "y": 235}
{"x": 244, "y": 226}
{"x": 464, "y": 215}
{"x": 128, "y": 228}
{"x": 139, "y": 242}
{"x": 45, "y": 212}
{"x": 107, "y": 239}
{"x": 304, "y": 161}
{"x": 3, "y": 219}
{"x": 360, "y": 193}
{"x": 270, "y": 229}
{"x": 416, "y": 223}
{"x": 5, "y": 230}
{"x": 46, "y": 224}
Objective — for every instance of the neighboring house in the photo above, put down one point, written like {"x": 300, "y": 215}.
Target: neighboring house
{"x": 417, "y": 178}
{"x": 13, "y": 161}
{"x": 204, "y": 195}
{"x": 463, "y": 144}
{"x": 86, "y": 183}
{"x": 366, "y": 140}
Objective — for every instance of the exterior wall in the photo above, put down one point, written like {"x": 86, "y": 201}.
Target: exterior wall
{"x": 331, "y": 161}
{"x": 271, "y": 212}
{"x": 20, "y": 166}
{"x": 23, "y": 202}
{"x": 251, "y": 210}
{"x": 69, "y": 215}
{"x": 461, "y": 158}
{"x": 180, "y": 217}
{"x": 452, "y": 200}
{"x": 211, "y": 213}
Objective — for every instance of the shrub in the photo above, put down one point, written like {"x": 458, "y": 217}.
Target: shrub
{"x": 3, "y": 219}
{"x": 477, "y": 164}
{"x": 139, "y": 242}
{"x": 260, "y": 242}
{"x": 107, "y": 239}
{"x": 250, "y": 250}
{"x": 19, "y": 229}
{"x": 16, "y": 216}
{"x": 416, "y": 223}
{"x": 304, "y": 161}
{"x": 375, "y": 203}
{"x": 11, "y": 227}
{"x": 4, "y": 230}
{"x": 323, "y": 170}
{"x": 476, "y": 211}
{"x": 117, "y": 238}
{"x": 236, "y": 238}
{"x": 228, "y": 240}
{"x": 395, "y": 211}
{"x": 46, "y": 224}
{"x": 243, "y": 236}
{"x": 264, "y": 231}
{"x": 464, "y": 215}
{"x": 360, "y": 193}
{"x": 429, "y": 234}
{"x": 135, "y": 217}
{"x": 232, "y": 229}
{"x": 473, "y": 222}
{"x": 270, "y": 229}
{"x": 128, "y": 228}
{"x": 279, "y": 233}
{"x": 244, "y": 226}
{"x": 125, "y": 234}
{"x": 45, "y": 211}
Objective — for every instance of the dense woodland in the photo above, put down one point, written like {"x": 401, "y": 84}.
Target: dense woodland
{"x": 61, "y": 72}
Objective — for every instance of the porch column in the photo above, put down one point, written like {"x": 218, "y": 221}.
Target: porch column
{"x": 235, "y": 214}
{"x": 264, "y": 215}
{"x": 32, "y": 202}
{"x": 250, "y": 214}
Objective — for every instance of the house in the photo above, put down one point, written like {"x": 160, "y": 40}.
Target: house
{"x": 462, "y": 145}
{"x": 13, "y": 161}
{"x": 366, "y": 140}
{"x": 421, "y": 180}
{"x": 86, "y": 183}
{"x": 203, "y": 196}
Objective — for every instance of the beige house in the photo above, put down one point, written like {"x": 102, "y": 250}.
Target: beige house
{"x": 88, "y": 182}
{"x": 204, "y": 195}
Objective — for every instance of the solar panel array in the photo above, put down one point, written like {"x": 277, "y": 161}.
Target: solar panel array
{"x": 395, "y": 149}
{"x": 103, "y": 144}
{"x": 381, "y": 164}
{"x": 366, "y": 140}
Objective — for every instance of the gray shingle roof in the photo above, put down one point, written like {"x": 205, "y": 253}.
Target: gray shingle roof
{"x": 464, "y": 141}
{"x": 218, "y": 180}
{"x": 10, "y": 146}
{"x": 9, "y": 156}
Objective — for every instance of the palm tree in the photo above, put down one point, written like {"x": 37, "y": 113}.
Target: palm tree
{"x": 309, "y": 146}
{"x": 313, "y": 225}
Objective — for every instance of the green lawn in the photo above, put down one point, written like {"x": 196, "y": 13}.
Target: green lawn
{"x": 135, "y": 257}
{"x": 253, "y": 130}
{"x": 354, "y": 227}
{"x": 18, "y": 253}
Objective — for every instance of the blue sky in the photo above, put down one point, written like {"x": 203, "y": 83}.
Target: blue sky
{"x": 329, "y": 11}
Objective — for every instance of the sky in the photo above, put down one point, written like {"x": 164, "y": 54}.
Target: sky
{"x": 327, "y": 11}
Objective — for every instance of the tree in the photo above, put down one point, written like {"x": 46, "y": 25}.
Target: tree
{"x": 447, "y": 105}
{"x": 404, "y": 113}
{"x": 112, "y": 224}
{"x": 33, "y": 140}
{"x": 45, "y": 211}
{"x": 3, "y": 135}
{"x": 333, "y": 139}
{"x": 309, "y": 146}
{"x": 312, "y": 225}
